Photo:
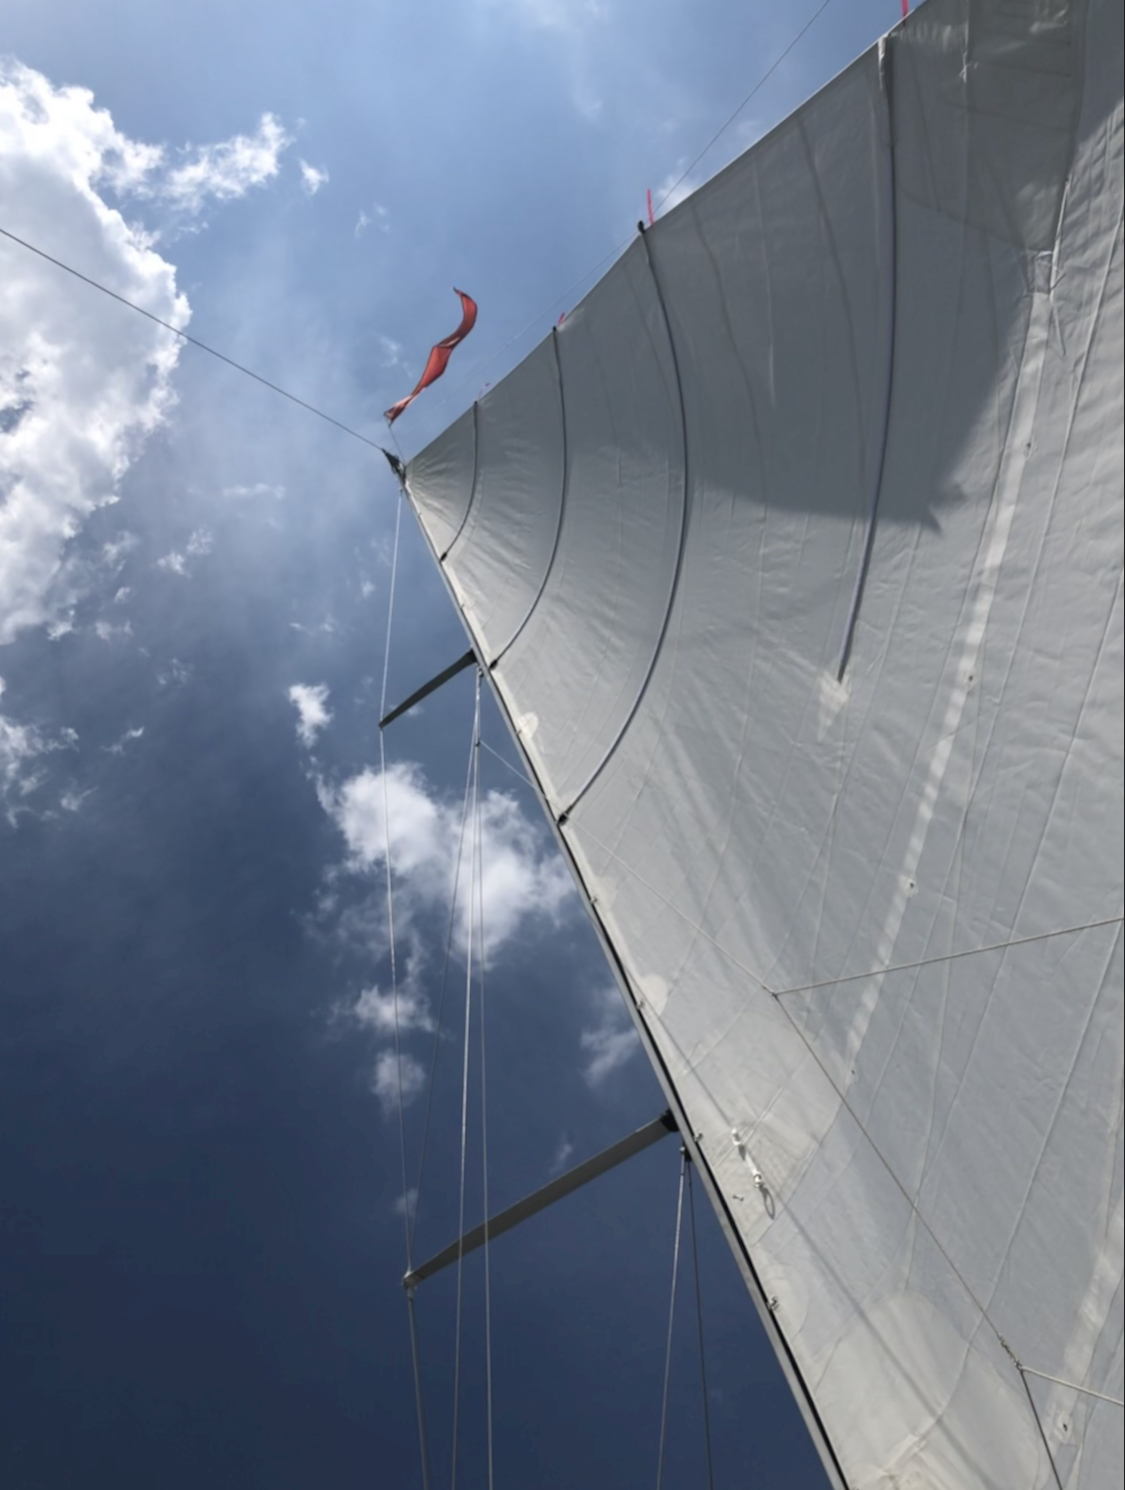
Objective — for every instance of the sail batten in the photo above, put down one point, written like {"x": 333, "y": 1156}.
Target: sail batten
{"x": 823, "y": 675}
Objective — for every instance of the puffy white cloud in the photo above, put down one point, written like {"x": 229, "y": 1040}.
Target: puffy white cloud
{"x": 313, "y": 713}
{"x": 83, "y": 381}
{"x": 224, "y": 171}
{"x": 520, "y": 878}
{"x": 312, "y": 179}
{"x": 376, "y": 1011}
{"x": 609, "y": 1043}
{"x": 389, "y": 1073}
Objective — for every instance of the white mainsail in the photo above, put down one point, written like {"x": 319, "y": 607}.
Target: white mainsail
{"x": 795, "y": 558}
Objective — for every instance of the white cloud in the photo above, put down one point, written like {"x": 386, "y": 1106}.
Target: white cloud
{"x": 609, "y": 1043}
{"x": 562, "y": 1156}
{"x": 259, "y": 489}
{"x": 521, "y": 877}
{"x": 389, "y": 1072}
{"x": 311, "y": 703}
{"x": 406, "y": 1205}
{"x": 177, "y": 673}
{"x": 378, "y": 216}
{"x": 20, "y": 745}
{"x": 198, "y": 546}
{"x": 108, "y": 631}
{"x": 118, "y": 746}
{"x": 225, "y": 171}
{"x": 83, "y": 382}
{"x": 376, "y": 1010}
{"x": 312, "y": 179}
{"x": 392, "y": 352}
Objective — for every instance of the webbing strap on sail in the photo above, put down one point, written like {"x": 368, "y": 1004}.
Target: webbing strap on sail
{"x": 573, "y": 1179}
{"x": 426, "y": 689}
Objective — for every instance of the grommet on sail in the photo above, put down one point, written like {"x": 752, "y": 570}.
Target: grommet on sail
{"x": 794, "y": 558}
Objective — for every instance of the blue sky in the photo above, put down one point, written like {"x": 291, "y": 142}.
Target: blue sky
{"x": 201, "y": 1195}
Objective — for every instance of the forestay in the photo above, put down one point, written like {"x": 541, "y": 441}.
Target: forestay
{"x": 795, "y": 555}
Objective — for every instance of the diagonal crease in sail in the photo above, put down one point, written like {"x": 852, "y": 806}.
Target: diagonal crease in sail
{"x": 860, "y": 394}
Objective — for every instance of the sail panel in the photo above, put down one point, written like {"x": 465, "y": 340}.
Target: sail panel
{"x": 856, "y": 839}
{"x": 500, "y": 557}
{"x": 447, "y": 469}
{"x": 581, "y": 661}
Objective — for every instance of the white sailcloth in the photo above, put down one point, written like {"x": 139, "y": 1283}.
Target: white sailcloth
{"x": 796, "y": 555}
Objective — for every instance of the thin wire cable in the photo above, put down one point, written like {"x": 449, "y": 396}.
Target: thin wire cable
{"x": 390, "y": 889}
{"x": 699, "y": 1322}
{"x": 876, "y": 972}
{"x": 480, "y": 367}
{"x": 407, "y": 1220}
{"x": 444, "y": 985}
{"x": 762, "y": 81}
{"x": 515, "y": 770}
{"x": 615, "y": 252}
{"x": 671, "y": 1319}
{"x": 191, "y": 340}
{"x": 478, "y": 845}
{"x": 464, "y": 1121}
{"x": 419, "y": 1405}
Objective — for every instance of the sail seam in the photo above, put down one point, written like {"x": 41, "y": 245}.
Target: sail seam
{"x": 885, "y": 79}
{"x": 472, "y": 488}
{"x": 680, "y": 547}
{"x": 562, "y": 506}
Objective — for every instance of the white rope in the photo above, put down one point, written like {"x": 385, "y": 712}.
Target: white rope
{"x": 478, "y": 847}
{"x": 1071, "y": 1385}
{"x": 671, "y": 1320}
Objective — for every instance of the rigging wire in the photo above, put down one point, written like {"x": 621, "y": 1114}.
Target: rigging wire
{"x": 444, "y": 982}
{"x": 564, "y": 295}
{"x": 407, "y": 1221}
{"x": 671, "y": 1318}
{"x": 619, "y": 248}
{"x": 762, "y": 81}
{"x": 192, "y": 340}
{"x": 469, "y": 926}
{"x": 699, "y": 1323}
{"x": 478, "y": 846}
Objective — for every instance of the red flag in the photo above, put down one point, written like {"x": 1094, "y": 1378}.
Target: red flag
{"x": 439, "y": 357}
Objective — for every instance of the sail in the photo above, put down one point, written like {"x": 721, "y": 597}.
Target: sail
{"x": 794, "y": 555}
